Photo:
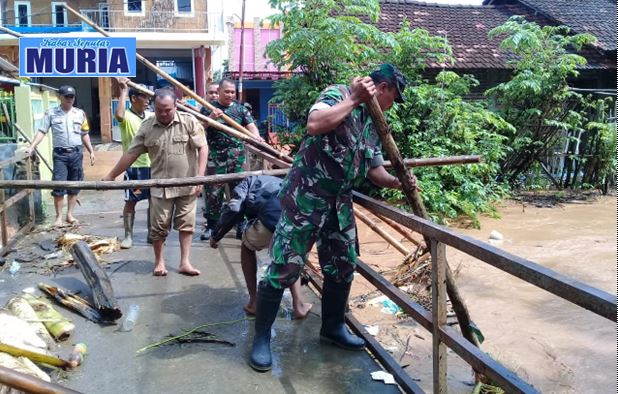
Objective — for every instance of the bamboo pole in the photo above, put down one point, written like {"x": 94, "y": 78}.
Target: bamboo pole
{"x": 135, "y": 184}
{"x": 438, "y": 161}
{"x": 397, "y": 227}
{"x": 415, "y": 201}
{"x": 11, "y": 32}
{"x": 386, "y": 236}
{"x": 37, "y": 357}
{"x": 30, "y": 384}
{"x": 165, "y": 75}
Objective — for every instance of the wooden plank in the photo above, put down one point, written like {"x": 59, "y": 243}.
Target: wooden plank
{"x": 22, "y": 232}
{"x": 438, "y": 311}
{"x": 13, "y": 199}
{"x": 3, "y": 222}
{"x": 579, "y": 293}
{"x": 477, "y": 359}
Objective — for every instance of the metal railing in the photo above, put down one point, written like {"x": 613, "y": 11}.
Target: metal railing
{"x": 151, "y": 20}
{"x": 7, "y": 129}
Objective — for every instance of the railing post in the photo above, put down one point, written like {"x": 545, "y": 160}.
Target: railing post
{"x": 3, "y": 227}
{"x": 31, "y": 194}
{"x": 438, "y": 310}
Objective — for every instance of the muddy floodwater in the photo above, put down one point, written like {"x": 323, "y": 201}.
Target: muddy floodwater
{"x": 554, "y": 345}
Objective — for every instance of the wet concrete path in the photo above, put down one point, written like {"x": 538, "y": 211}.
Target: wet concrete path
{"x": 171, "y": 304}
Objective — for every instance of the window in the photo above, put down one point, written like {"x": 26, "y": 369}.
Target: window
{"x": 134, "y": 7}
{"x": 59, "y": 14}
{"x": 104, "y": 15}
{"x": 23, "y": 15}
{"x": 183, "y": 7}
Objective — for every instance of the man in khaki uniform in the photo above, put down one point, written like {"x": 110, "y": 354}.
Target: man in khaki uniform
{"x": 176, "y": 145}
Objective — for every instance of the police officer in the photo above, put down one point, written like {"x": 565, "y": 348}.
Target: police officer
{"x": 69, "y": 126}
{"x": 341, "y": 146}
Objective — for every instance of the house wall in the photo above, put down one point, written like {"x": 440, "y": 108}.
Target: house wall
{"x": 41, "y": 11}
{"x": 150, "y": 20}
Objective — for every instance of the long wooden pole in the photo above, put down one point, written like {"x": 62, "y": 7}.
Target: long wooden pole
{"x": 165, "y": 75}
{"x": 415, "y": 201}
{"x": 11, "y": 32}
{"x": 386, "y": 236}
{"x": 30, "y": 384}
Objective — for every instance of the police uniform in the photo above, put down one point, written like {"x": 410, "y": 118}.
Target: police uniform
{"x": 67, "y": 130}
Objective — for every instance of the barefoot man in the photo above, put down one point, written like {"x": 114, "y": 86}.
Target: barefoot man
{"x": 257, "y": 198}
{"x": 176, "y": 145}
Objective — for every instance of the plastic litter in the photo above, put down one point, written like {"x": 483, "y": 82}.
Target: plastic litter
{"x": 15, "y": 266}
{"x": 386, "y": 377}
{"x": 130, "y": 319}
{"x": 390, "y": 307}
{"x": 53, "y": 255}
{"x": 29, "y": 290}
{"x": 373, "y": 330}
{"x": 77, "y": 355}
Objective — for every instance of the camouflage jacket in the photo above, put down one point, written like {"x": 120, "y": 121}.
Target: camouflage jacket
{"x": 218, "y": 141}
{"x": 327, "y": 165}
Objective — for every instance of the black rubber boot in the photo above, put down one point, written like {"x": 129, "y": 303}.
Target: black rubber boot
{"x": 334, "y": 304}
{"x": 208, "y": 230}
{"x": 268, "y": 300}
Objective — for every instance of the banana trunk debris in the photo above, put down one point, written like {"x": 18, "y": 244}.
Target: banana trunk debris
{"x": 58, "y": 326}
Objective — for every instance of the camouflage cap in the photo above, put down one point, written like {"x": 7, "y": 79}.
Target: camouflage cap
{"x": 391, "y": 74}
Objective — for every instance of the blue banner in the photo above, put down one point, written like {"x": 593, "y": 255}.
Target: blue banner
{"x": 77, "y": 57}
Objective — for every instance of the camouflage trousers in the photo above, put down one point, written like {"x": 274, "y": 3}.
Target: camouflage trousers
{"x": 214, "y": 194}
{"x": 293, "y": 240}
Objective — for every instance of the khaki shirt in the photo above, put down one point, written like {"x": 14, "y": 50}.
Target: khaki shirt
{"x": 173, "y": 150}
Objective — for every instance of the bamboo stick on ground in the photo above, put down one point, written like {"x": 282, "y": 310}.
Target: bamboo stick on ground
{"x": 58, "y": 326}
{"x": 37, "y": 357}
{"x": 31, "y": 384}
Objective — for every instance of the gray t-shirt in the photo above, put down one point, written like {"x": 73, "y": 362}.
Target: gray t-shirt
{"x": 67, "y": 127}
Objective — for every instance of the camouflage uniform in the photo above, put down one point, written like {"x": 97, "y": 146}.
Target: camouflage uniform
{"x": 316, "y": 197}
{"x": 226, "y": 155}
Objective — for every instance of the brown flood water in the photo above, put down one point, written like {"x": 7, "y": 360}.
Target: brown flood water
{"x": 552, "y": 344}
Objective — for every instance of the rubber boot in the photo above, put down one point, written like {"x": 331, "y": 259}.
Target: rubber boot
{"x": 149, "y": 236}
{"x": 334, "y": 304}
{"x": 268, "y": 300}
{"x": 209, "y": 230}
{"x": 127, "y": 242}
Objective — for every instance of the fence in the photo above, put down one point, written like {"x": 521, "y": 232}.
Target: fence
{"x": 7, "y": 130}
{"x": 6, "y": 205}
{"x": 578, "y": 293}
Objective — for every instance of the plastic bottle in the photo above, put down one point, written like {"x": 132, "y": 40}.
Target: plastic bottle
{"x": 130, "y": 319}
{"x": 15, "y": 266}
{"x": 77, "y": 355}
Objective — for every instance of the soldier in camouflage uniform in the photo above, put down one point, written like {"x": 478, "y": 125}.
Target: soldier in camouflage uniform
{"x": 341, "y": 147}
{"x": 227, "y": 154}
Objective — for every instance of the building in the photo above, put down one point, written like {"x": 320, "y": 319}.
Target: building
{"x": 178, "y": 36}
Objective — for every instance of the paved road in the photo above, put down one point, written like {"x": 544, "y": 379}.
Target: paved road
{"x": 168, "y": 305}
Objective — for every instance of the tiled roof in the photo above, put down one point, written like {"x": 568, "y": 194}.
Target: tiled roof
{"x": 466, "y": 28}
{"x": 597, "y": 17}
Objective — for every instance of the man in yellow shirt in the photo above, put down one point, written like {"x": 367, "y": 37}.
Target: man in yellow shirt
{"x": 129, "y": 121}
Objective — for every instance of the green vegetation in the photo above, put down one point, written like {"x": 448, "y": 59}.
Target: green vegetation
{"x": 326, "y": 42}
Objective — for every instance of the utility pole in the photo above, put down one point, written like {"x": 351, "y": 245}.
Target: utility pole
{"x": 242, "y": 50}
